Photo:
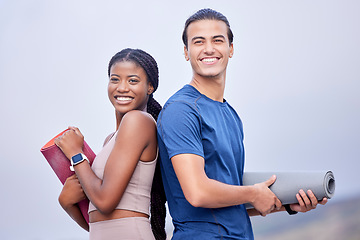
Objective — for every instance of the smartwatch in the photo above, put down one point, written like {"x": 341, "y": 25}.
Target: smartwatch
{"x": 76, "y": 159}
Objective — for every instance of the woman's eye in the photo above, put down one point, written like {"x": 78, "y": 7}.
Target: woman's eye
{"x": 114, "y": 79}
{"x": 133, "y": 80}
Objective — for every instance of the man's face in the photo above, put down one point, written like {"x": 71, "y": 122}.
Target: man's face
{"x": 208, "y": 48}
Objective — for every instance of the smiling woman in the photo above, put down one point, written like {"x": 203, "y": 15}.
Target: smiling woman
{"x": 128, "y": 88}
{"x": 124, "y": 179}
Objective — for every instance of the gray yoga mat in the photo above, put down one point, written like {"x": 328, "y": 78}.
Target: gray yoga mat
{"x": 287, "y": 184}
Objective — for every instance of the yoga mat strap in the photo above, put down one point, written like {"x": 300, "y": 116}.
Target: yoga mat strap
{"x": 289, "y": 211}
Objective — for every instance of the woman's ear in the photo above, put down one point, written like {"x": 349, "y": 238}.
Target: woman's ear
{"x": 150, "y": 89}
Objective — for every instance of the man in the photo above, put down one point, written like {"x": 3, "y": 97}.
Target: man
{"x": 200, "y": 138}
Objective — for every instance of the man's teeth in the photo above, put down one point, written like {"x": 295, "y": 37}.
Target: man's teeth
{"x": 209, "y": 60}
{"x": 123, "y": 98}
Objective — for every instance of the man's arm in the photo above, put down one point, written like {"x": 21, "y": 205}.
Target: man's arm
{"x": 201, "y": 191}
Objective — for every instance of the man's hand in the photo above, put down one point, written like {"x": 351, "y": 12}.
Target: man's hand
{"x": 266, "y": 201}
{"x": 307, "y": 201}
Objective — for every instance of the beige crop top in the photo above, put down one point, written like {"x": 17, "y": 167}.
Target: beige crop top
{"x": 137, "y": 194}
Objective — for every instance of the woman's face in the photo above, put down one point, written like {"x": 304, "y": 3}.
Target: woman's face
{"x": 128, "y": 88}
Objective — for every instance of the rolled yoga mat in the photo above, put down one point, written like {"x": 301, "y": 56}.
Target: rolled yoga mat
{"x": 61, "y": 166}
{"x": 287, "y": 184}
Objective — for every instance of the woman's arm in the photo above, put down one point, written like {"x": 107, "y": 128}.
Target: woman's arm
{"x": 70, "y": 195}
{"x": 136, "y": 139}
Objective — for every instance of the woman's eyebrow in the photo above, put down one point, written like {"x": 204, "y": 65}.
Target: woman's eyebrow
{"x": 131, "y": 75}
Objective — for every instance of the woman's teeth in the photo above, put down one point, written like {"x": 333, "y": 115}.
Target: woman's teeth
{"x": 123, "y": 98}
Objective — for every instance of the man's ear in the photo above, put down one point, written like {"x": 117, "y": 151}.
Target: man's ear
{"x": 231, "y": 50}
{"x": 186, "y": 53}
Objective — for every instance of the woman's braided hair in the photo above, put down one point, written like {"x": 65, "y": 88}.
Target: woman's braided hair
{"x": 158, "y": 198}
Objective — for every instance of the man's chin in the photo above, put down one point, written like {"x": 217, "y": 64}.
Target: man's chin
{"x": 210, "y": 75}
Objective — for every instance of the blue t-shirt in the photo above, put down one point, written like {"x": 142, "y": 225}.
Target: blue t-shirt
{"x": 192, "y": 123}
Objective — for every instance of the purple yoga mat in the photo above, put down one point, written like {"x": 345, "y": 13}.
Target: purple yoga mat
{"x": 61, "y": 166}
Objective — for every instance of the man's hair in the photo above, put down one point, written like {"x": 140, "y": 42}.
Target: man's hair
{"x": 206, "y": 14}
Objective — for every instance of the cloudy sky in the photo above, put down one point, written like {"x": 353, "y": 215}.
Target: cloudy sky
{"x": 294, "y": 80}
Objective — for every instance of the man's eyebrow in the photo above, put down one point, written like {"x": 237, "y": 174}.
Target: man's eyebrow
{"x": 203, "y": 38}
{"x": 219, "y": 36}
{"x": 197, "y": 37}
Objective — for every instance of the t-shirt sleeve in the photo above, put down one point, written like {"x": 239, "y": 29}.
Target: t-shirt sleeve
{"x": 180, "y": 129}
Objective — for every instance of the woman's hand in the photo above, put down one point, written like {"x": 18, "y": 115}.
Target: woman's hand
{"x": 307, "y": 201}
{"x": 71, "y": 193}
{"x": 71, "y": 142}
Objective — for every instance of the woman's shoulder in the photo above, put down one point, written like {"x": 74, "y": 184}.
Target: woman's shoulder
{"x": 137, "y": 126}
{"x": 137, "y": 121}
{"x": 138, "y": 116}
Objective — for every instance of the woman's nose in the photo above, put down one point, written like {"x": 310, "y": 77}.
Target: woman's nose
{"x": 122, "y": 86}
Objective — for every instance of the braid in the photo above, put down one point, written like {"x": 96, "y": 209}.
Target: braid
{"x": 153, "y": 107}
{"x": 158, "y": 198}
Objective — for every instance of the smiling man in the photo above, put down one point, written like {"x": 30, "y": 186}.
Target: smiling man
{"x": 200, "y": 138}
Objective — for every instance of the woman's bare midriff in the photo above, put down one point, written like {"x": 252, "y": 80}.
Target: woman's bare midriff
{"x": 96, "y": 216}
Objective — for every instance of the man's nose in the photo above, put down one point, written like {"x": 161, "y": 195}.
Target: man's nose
{"x": 209, "y": 48}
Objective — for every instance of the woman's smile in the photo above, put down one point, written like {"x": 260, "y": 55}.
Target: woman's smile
{"x": 123, "y": 99}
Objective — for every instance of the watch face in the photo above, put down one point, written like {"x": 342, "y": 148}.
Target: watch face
{"x": 76, "y": 158}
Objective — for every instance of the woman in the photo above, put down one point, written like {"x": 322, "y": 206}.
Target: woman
{"x": 119, "y": 182}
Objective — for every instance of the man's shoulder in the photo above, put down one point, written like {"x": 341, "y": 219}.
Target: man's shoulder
{"x": 186, "y": 93}
{"x": 180, "y": 106}
{"x": 185, "y": 97}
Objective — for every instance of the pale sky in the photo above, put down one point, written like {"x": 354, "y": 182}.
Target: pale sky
{"x": 294, "y": 81}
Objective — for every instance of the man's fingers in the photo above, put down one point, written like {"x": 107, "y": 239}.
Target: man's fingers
{"x": 278, "y": 204}
{"x": 271, "y": 180}
{"x": 313, "y": 198}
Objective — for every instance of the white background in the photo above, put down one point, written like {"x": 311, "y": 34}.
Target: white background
{"x": 294, "y": 80}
